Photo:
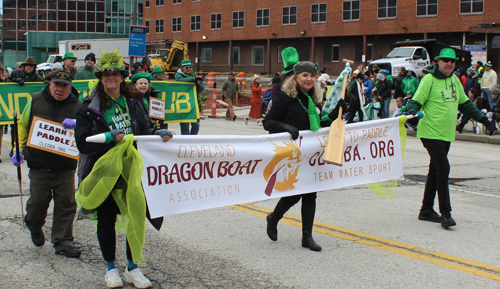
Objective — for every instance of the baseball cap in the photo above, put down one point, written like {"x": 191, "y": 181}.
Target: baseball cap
{"x": 232, "y": 73}
{"x": 61, "y": 76}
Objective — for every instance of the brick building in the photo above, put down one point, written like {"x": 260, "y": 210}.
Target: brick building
{"x": 248, "y": 36}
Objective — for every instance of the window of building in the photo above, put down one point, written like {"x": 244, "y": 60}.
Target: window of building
{"x": 177, "y": 1}
{"x": 177, "y": 24}
{"x": 146, "y": 23}
{"x": 207, "y": 55}
{"x": 350, "y": 10}
{"x": 359, "y": 52}
{"x": 239, "y": 19}
{"x": 471, "y": 6}
{"x": 236, "y": 55}
{"x": 263, "y": 17}
{"x": 216, "y": 21}
{"x": 290, "y": 15}
{"x": 146, "y": 3}
{"x": 195, "y": 0}
{"x": 159, "y": 26}
{"x": 318, "y": 13}
{"x": 196, "y": 23}
{"x": 387, "y": 8}
{"x": 427, "y": 7}
{"x": 258, "y": 55}
{"x": 160, "y": 2}
{"x": 331, "y": 53}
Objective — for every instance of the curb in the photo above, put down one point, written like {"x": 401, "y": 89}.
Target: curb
{"x": 467, "y": 136}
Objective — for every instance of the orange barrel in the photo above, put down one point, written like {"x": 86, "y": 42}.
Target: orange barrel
{"x": 214, "y": 101}
{"x": 211, "y": 79}
{"x": 242, "y": 78}
{"x": 166, "y": 76}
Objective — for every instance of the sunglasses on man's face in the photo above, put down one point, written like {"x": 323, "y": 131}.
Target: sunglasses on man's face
{"x": 73, "y": 60}
{"x": 446, "y": 60}
{"x": 30, "y": 65}
{"x": 188, "y": 67}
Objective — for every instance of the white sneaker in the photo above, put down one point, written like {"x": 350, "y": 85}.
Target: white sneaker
{"x": 259, "y": 122}
{"x": 113, "y": 279}
{"x": 137, "y": 278}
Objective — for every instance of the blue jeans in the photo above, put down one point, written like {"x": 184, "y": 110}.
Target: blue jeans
{"x": 486, "y": 93}
{"x": 385, "y": 104}
{"x": 195, "y": 127}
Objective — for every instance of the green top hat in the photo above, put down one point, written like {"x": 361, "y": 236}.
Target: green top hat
{"x": 488, "y": 64}
{"x": 447, "y": 53}
{"x": 157, "y": 69}
{"x": 140, "y": 75}
{"x": 186, "y": 62}
{"x": 69, "y": 55}
{"x": 290, "y": 57}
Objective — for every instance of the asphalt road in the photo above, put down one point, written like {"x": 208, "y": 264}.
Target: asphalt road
{"x": 368, "y": 241}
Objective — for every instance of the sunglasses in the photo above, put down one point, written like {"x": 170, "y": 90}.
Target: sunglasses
{"x": 188, "y": 67}
{"x": 30, "y": 65}
{"x": 446, "y": 60}
{"x": 111, "y": 73}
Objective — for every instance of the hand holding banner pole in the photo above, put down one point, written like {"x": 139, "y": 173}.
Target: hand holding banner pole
{"x": 19, "y": 175}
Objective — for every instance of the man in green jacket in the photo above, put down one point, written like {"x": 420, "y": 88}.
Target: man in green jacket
{"x": 230, "y": 90}
{"x": 439, "y": 95}
{"x": 186, "y": 74}
{"x": 69, "y": 61}
{"x": 409, "y": 85}
{"x": 88, "y": 71}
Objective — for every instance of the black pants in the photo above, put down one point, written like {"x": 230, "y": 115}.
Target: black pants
{"x": 106, "y": 235}
{"x": 437, "y": 178}
{"x": 354, "y": 106}
{"x": 308, "y": 208}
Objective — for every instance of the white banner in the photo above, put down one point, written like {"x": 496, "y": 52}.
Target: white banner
{"x": 190, "y": 173}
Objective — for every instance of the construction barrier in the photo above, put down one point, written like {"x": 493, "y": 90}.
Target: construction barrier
{"x": 242, "y": 78}
{"x": 211, "y": 79}
{"x": 214, "y": 102}
{"x": 166, "y": 76}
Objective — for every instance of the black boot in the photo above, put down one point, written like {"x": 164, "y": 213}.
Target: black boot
{"x": 272, "y": 227}
{"x": 308, "y": 241}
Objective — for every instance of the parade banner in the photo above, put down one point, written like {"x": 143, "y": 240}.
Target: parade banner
{"x": 190, "y": 173}
{"x": 50, "y": 136}
{"x": 180, "y": 98}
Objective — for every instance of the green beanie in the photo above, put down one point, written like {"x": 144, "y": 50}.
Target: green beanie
{"x": 140, "y": 75}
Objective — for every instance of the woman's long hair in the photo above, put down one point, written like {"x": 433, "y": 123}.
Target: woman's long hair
{"x": 474, "y": 92}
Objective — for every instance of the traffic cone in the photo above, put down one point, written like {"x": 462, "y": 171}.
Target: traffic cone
{"x": 214, "y": 102}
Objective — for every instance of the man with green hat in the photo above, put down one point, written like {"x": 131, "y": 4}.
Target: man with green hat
{"x": 69, "y": 61}
{"x": 290, "y": 57}
{"x": 158, "y": 73}
{"x": 488, "y": 81}
{"x": 186, "y": 74}
{"x": 439, "y": 95}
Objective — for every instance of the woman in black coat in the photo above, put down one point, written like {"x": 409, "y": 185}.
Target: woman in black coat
{"x": 295, "y": 109}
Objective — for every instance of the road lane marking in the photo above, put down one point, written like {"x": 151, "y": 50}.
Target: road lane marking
{"x": 438, "y": 258}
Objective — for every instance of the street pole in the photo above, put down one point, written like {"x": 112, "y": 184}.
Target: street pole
{"x": 134, "y": 22}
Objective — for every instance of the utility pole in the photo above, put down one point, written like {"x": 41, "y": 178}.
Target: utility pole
{"x": 134, "y": 22}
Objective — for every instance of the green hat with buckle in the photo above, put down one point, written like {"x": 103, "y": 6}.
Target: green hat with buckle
{"x": 447, "y": 53}
{"x": 186, "y": 62}
{"x": 290, "y": 57}
{"x": 69, "y": 55}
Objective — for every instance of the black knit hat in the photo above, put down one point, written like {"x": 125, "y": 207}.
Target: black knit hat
{"x": 305, "y": 66}
{"x": 90, "y": 56}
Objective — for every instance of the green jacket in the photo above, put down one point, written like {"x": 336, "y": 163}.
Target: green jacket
{"x": 439, "y": 97}
{"x": 86, "y": 73}
{"x": 230, "y": 88}
{"x": 352, "y": 91}
{"x": 409, "y": 84}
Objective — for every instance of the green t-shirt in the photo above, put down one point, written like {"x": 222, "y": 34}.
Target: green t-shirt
{"x": 118, "y": 115}
{"x": 440, "y": 99}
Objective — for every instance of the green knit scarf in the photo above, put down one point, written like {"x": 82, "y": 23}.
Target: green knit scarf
{"x": 314, "y": 124}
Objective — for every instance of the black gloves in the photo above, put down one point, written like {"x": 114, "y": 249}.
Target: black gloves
{"x": 199, "y": 78}
{"x": 342, "y": 104}
{"x": 488, "y": 124}
{"x": 20, "y": 81}
{"x": 290, "y": 129}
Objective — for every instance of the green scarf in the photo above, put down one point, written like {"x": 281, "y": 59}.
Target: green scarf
{"x": 311, "y": 111}
{"x": 119, "y": 172}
